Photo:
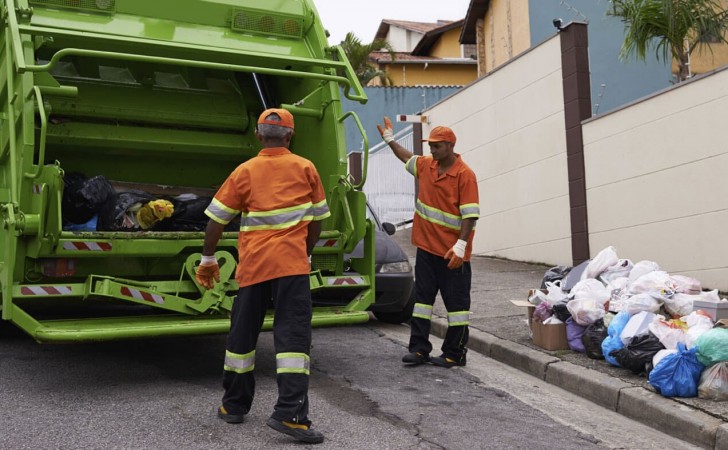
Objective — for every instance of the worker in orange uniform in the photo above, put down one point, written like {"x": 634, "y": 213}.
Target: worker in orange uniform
{"x": 443, "y": 228}
{"x": 281, "y": 202}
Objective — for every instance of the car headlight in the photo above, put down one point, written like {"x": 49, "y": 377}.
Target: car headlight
{"x": 399, "y": 266}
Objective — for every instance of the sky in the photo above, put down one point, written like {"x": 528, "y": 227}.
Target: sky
{"x": 363, "y": 18}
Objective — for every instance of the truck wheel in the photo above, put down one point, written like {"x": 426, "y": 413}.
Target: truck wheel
{"x": 400, "y": 316}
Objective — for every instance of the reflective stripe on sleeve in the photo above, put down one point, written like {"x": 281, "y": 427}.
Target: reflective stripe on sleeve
{"x": 320, "y": 210}
{"x": 293, "y": 363}
{"x": 411, "y": 165}
{"x": 422, "y": 311}
{"x": 437, "y": 216}
{"x": 235, "y": 362}
{"x": 220, "y": 213}
{"x": 458, "y": 318}
{"x": 470, "y": 211}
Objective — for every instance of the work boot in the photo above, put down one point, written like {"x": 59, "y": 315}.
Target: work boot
{"x": 303, "y": 433}
{"x": 415, "y": 358}
{"x": 229, "y": 418}
{"x": 442, "y": 361}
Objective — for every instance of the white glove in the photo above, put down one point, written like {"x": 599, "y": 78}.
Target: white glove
{"x": 459, "y": 248}
{"x": 388, "y": 135}
{"x": 207, "y": 260}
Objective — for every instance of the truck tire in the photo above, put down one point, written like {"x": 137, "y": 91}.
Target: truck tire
{"x": 400, "y": 316}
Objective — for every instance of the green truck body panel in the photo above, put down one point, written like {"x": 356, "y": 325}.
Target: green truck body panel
{"x": 162, "y": 94}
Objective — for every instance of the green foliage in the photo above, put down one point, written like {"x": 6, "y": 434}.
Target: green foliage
{"x": 358, "y": 55}
{"x": 672, "y": 27}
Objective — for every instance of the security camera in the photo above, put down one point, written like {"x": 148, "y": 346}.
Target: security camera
{"x": 557, "y": 24}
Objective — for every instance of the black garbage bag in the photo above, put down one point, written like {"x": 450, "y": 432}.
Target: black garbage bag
{"x": 83, "y": 197}
{"x": 115, "y": 215}
{"x": 637, "y": 355}
{"x": 554, "y": 274}
{"x": 592, "y": 339}
{"x": 561, "y": 312}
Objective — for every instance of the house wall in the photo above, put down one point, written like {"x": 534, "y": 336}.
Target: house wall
{"x": 448, "y": 46}
{"x": 709, "y": 56}
{"x": 510, "y": 128}
{"x": 655, "y": 174}
{"x": 431, "y": 74}
{"x": 403, "y": 40}
{"x": 506, "y": 32}
{"x": 613, "y": 82}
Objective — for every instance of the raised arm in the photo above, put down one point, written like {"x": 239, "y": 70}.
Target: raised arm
{"x": 387, "y": 133}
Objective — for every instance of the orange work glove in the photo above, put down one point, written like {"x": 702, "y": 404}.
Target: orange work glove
{"x": 387, "y": 132}
{"x": 208, "y": 271}
{"x": 456, "y": 254}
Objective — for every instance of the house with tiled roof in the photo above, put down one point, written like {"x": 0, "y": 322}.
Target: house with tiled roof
{"x": 425, "y": 54}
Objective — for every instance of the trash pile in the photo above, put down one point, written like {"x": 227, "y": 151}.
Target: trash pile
{"x": 643, "y": 319}
{"x": 92, "y": 204}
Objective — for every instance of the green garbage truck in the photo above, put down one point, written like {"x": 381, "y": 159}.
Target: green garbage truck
{"x": 160, "y": 98}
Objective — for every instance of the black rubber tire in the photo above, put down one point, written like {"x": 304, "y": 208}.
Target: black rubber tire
{"x": 399, "y": 316}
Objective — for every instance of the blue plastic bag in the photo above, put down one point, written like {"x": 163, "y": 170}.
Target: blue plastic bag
{"x": 678, "y": 374}
{"x": 613, "y": 341}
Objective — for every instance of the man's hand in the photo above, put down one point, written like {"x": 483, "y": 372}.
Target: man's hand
{"x": 456, "y": 254}
{"x": 387, "y": 132}
{"x": 208, "y": 272}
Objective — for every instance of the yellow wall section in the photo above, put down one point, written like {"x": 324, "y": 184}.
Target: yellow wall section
{"x": 507, "y": 31}
{"x": 434, "y": 74}
{"x": 448, "y": 46}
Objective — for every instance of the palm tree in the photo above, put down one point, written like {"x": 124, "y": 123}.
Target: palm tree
{"x": 672, "y": 27}
{"x": 358, "y": 55}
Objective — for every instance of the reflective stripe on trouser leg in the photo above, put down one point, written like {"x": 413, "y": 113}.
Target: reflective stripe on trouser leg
{"x": 422, "y": 311}
{"x": 458, "y": 318}
{"x": 246, "y": 320}
{"x": 292, "y": 340}
{"x": 293, "y": 363}
{"x": 235, "y": 362}
{"x": 426, "y": 286}
{"x": 456, "y": 296}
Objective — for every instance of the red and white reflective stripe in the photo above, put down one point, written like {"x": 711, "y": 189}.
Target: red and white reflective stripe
{"x": 141, "y": 295}
{"x": 37, "y": 188}
{"x": 45, "y": 290}
{"x": 326, "y": 242}
{"x": 87, "y": 246}
{"x": 341, "y": 281}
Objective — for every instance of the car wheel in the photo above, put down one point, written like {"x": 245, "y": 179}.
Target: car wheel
{"x": 400, "y": 316}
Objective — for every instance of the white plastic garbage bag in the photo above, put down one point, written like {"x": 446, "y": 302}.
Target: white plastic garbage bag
{"x": 642, "y": 268}
{"x": 621, "y": 269}
{"x": 586, "y": 311}
{"x": 637, "y": 326}
{"x": 686, "y": 285}
{"x": 661, "y": 354}
{"x": 698, "y": 323}
{"x": 656, "y": 281}
{"x": 668, "y": 334}
{"x": 642, "y": 302}
{"x": 604, "y": 259}
{"x": 591, "y": 289}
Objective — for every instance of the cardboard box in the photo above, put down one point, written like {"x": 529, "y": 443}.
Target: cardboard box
{"x": 548, "y": 337}
{"x": 716, "y": 311}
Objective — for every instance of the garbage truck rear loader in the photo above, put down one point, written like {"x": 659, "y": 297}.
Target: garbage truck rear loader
{"x": 159, "y": 97}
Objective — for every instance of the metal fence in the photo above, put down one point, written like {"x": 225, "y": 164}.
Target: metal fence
{"x": 389, "y": 188}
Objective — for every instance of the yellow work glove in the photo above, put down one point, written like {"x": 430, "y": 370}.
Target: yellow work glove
{"x": 208, "y": 272}
{"x": 387, "y": 132}
{"x": 456, "y": 254}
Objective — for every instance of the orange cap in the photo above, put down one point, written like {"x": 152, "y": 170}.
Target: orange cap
{"x": 441, "y": 134}
{"x": 286, "y": 118}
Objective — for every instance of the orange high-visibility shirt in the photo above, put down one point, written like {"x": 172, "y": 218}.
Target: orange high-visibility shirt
{"x": 277, "y": 195}
{"x": 443, "y": 202}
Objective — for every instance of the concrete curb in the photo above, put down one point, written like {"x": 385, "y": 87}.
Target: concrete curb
{"x": 637, "y": 403}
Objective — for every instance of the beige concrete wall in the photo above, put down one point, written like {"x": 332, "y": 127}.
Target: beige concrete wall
{"x": 510, "y": 128}
{"x": 656, "y": 180}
